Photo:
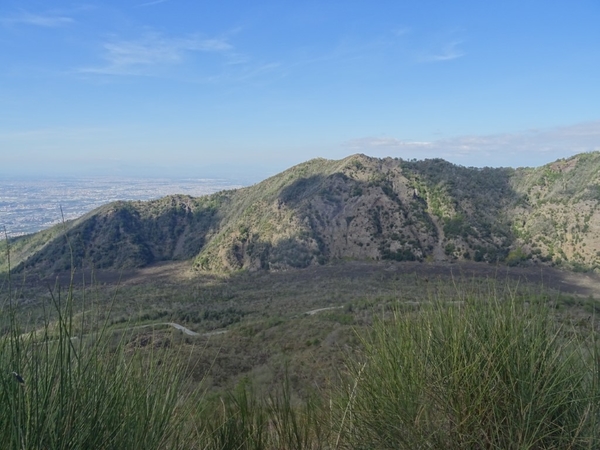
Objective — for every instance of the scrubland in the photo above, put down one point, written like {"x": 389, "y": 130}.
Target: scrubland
{"x": 351, "y": 355}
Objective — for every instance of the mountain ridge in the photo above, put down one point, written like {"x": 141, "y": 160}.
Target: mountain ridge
{"x": 358, "y": 207}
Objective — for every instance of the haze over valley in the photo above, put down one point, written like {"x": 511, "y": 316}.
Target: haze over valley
{"x": 30, "y": 204}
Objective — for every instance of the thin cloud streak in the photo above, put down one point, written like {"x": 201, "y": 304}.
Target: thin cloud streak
{"x": 384, "y": 142}
{"x": 48, "y": 21}
{"x": 496, "y": 150}
{"x": 155, "y": 2}
{"x": 41, "y": 135}
{"x": 402, "y": 31}
{"x": 131, "y": 57}
{"x": 449, "y": 52}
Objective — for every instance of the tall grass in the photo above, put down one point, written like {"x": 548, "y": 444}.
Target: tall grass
{"x": 246, "y": 420}
{"x": 76, "y": 391}
{"x": 486, "y": 373}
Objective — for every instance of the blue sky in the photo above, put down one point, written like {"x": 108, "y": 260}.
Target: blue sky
{"x": 244, "y": 89}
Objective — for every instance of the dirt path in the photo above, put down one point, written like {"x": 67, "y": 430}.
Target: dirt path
{"x": 315, "y": 311}
{"x": 182, "y": 328}
{"x": 168, "y": 324}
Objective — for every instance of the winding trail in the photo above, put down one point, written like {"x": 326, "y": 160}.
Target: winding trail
{"x": 216, "y": 332}
{"x": 189, "y": 332}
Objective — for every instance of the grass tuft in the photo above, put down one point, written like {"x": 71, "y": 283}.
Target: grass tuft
{"x": 61, "y": 389}
{"x": 490, "y": 373}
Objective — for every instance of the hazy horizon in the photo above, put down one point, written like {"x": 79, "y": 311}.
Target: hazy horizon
{"x": 235, "y": 176}
{"x": 30, "y": 204}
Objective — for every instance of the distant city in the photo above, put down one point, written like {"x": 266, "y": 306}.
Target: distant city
{"x": 30, "y": 205}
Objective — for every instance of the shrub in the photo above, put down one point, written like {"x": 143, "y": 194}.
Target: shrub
{"x": 516, "y": 257}
{"x": 493, "y": 374}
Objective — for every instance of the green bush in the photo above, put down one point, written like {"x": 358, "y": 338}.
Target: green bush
{"x": 481, "y": 374}
{"x": 516, "y": 257}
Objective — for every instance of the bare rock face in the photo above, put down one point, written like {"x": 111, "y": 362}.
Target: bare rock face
{"x": 355, "y": 208}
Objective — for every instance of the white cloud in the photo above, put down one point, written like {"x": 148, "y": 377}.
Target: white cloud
{"x": 384, "y": 142}
{"x": 130, "y": 57}
{"x": 529, "y": 147}
{"x": 401, "y": 31}
{"x": 41, "y": 20}
{"x": 448, "y": 52}
{"x": 45, "y": 135}
{"x": 154, "y": 2}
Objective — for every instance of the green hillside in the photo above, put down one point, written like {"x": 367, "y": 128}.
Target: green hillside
{"x": 355, "y": 208}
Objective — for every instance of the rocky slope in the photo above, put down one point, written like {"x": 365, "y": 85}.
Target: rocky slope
{"x": 359, "y": 208}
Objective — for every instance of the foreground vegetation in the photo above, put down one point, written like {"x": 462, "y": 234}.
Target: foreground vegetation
{"x": 466, "y": 364}
{"x": 61, "y": 389}
{"x": 488, "y": 372}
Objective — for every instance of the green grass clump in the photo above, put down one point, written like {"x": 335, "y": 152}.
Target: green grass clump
{"x": 486, "y": 373}
{"x": 76, "y": 391}
{"x": 246, "y": 420}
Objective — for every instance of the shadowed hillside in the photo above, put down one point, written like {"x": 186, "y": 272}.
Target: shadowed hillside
{"x": 357, "y": 208}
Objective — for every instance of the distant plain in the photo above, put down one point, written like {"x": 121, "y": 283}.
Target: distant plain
{"x": 28, "y": 205}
